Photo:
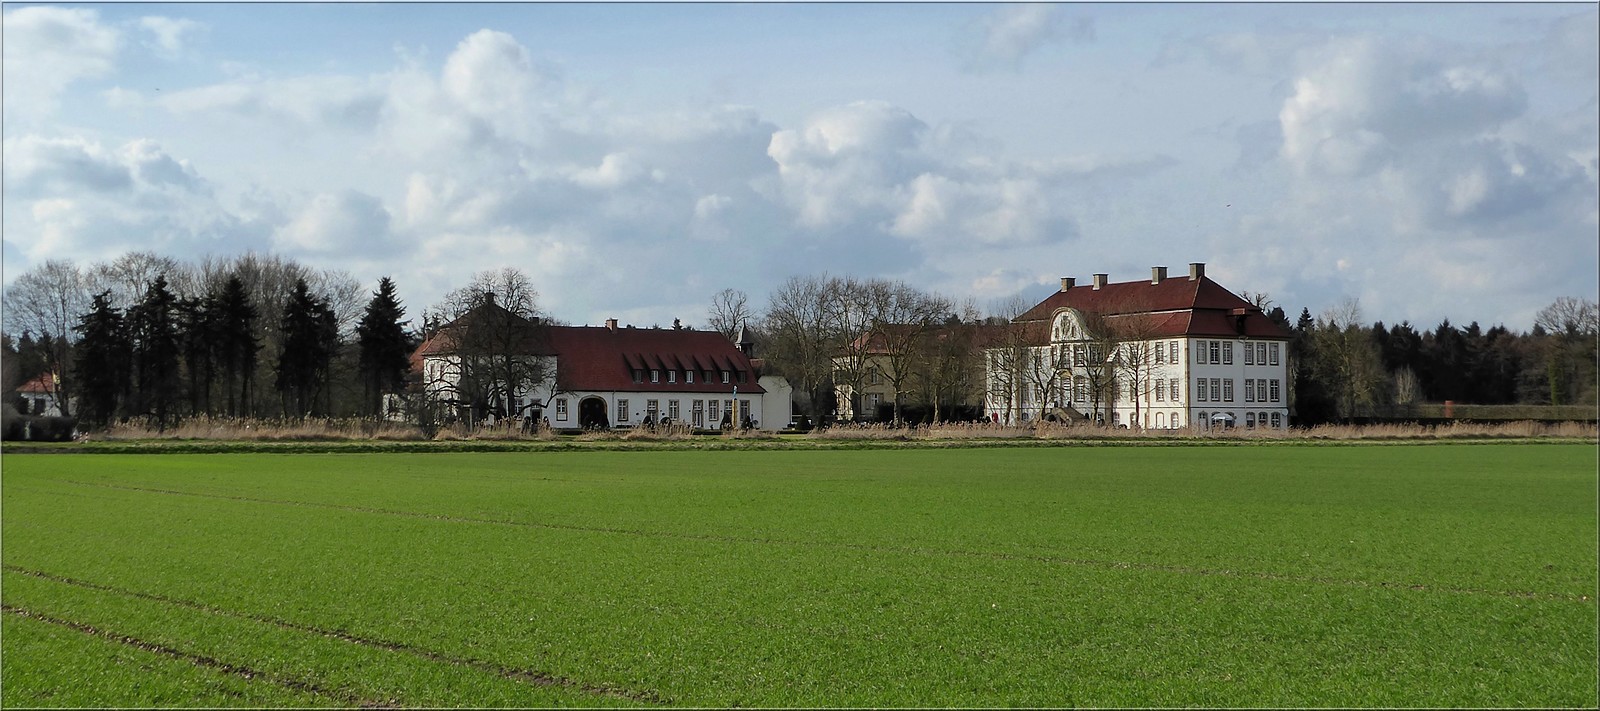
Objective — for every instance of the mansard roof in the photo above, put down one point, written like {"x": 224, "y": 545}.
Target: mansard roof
{"x": 1175, "y": 307}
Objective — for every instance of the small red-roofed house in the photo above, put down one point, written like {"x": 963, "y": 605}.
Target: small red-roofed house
{"x": 1162, "y": 353}
{"x": 39, "y": 395}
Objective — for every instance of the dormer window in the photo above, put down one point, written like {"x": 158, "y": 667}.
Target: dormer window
{"x": 688, "y": 376}
{"x": 655, "y": 375}
{"x": 672, "y": 376}
{"x": 724, "y": 377}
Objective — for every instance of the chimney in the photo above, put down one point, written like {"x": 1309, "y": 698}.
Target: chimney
{"x": 1067, "y": 282}
{"x": 677, "y": 325}
{"x": 1158, "y": 275}
{"x": 1197, "y": 271}
{"x": 1100, "y": 281}
{"x": 611, "y": 324}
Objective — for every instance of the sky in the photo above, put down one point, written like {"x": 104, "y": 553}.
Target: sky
{"x": 1431, "y": 160}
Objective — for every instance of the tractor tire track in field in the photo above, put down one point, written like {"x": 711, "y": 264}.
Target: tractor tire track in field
{"x": 521, "y": 675}
{"x": 995, "y": 555}
{"x": 198, "y": 660}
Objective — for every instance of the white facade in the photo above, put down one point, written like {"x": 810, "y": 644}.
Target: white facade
{"x": 1158, "y": 382}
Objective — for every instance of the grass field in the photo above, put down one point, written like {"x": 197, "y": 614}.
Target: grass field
{"x": 1402, "y": 575}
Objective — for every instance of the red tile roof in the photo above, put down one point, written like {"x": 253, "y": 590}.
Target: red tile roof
{"x": 41, "y": 383}
{"x": 1177, "y": 307}
{"x": 599, "y": 358}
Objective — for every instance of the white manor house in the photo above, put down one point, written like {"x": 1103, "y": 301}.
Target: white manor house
{"x": 1161, "y": 353}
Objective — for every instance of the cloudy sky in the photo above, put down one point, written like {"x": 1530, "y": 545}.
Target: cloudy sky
{"x": 1432, "y": 160}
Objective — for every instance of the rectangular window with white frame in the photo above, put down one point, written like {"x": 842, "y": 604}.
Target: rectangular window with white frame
{"x": 622, "y": 410}
{"x": 1261, "y": 390}
{"x": 655, "y": 375}
{"x": 1272, "y": 351}
{"x": 1172, "y": 389}
{"x": 1199, "y": 389}
{"x": 688, "y": 376}
{"x": 1275, "y": 392}
{"x": 699, "y": 413}
{"x": 1249, "y": 354}
{"x": 1161, "y": 390}
{"x": 1172, "y": 352}
{"x": 561, "y": 408}
{"x": 1215, "y": 348}
{"x": 724, "y": 377}
{"x": 1261, "y": 354}
{"x": 1199, "y": 352}
{"x": 1227, "y": 389}
{"x": 1227, "y": 352}
{"x": 1249, "y": 387}
{"x": 1216, "y": 389}
{"x": 715, "y": 411}
{"x": 672, "y": 410}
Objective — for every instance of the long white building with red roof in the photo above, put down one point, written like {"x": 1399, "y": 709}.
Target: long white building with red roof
{"x": 1162, "y": 353}
{"x": 610, "y": 377}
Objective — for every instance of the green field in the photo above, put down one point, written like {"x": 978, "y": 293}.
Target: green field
{"x": 1402, "y": 575}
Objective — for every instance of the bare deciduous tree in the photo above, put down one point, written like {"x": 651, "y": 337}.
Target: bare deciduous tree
{"x": 497, "y": 344}
{"x": 48, "y": 300}
{"x": 797, "y": 327}
{"x": 730, "y": 309}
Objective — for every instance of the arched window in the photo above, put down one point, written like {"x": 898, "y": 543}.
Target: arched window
{"x": 1277, "y": 420}
{"x": 1161, "y": 420}
{"x": 1175, "y": 420}
{"x": 1249, "y": 420}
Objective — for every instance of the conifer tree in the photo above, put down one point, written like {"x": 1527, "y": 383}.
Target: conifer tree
{"x": 103, "y": 355}
{"x": 385, "y": 349}
{"x": 154, "y": 329}
{"x": 310, "y": 338}
{"x": 236, "y": 344}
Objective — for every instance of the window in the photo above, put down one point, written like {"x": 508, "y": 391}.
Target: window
{"x": 1199, "y": 352}
{"x": 672, "y": 376}
{"x": 1227, "y": 390}
{"x": 1216, "y": 389}
{"x": 561, "y": 408}
{"x": 655, "y": 375}
{"x": 1172, "y": 352}
{"x": 1161, "y": 356}
{"x": 1249, "y": 354}
{"x": 699, "y": 413}
{"x": 1227, "y": 353}
{"x": 724, "y": 377}
{"x": 1173, "y": 418}
{"x": 1077, "y": 354}
{"x": 638, "y": 375}
{"x": 1161, "y": 390}
{"x": 1200, "y": 389}
{"x": 1261, "y": 354}
{"x": 744, "y": 408}
{"x": 1161, "y": 420}
{"x": 1080, "y": 387}
{"x": 1261, "y": 390}
{"x": 652, "y": 409}
{"x": 741, "y": 376}
{"x": 716, "y": 411}
{"x": 1249, "y": 386}
{"x": 688, "y": 376}
{"x": 622, "y": 410}
{"x": 1273, "y": 350}
{"x": 1172, "y": 389}
{"x": 1216, "y": 351}
{"x": 1249, "y": 420}
{"x": 1203, "y": 420}
{"x": 1274, "y": 389}
{"x": 1277, "y": 420}
{"x": 672, "y": 410}
{"x": 1261, "y": 419}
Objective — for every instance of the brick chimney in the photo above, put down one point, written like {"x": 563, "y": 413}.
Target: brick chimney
{"x": 611, "y": 324}
{"x": 1158, "y": 275}
{"x": 1197, "y": 271}
{"x": 1067, "y": 282}
{"x": 1100, "y": 281}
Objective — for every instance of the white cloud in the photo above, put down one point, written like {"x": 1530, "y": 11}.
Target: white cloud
{"x": 167, "y": 36}
{"x": 1012, "y": 32}
{"x": 348, "y": 222}
{"x": 47, "y": 49}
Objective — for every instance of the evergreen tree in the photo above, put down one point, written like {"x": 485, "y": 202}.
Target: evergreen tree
{"x": 196, "y": 319}
{"x": 310, "y": 339}
{"x": 154, "y": 328}
{"x": 103, "y": 355}
{"x": 236, "y": 345}
{"x": 385, "y": 349}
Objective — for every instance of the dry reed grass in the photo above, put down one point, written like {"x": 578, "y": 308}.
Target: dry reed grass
{"x": 1051, "y": 430}
{"x": 261, "y": 430}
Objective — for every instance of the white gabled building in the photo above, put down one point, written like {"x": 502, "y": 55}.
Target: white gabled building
{"x": 1161, "y": 353}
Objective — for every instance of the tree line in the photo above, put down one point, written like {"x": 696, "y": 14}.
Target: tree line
{"x": 262, "y": 336}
